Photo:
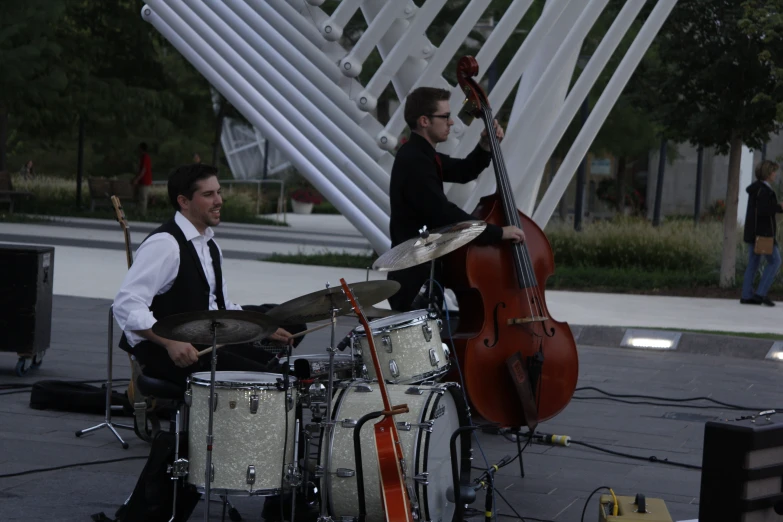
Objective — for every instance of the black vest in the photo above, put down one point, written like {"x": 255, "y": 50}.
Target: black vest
{"x": 190, "y": 291}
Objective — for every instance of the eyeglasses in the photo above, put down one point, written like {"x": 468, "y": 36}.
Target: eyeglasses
{"x": 446, "y": 116}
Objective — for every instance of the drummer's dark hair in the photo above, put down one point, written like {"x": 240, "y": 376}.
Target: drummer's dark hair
{"x": 423, "y": 101}
{"x": 182, "y": 181}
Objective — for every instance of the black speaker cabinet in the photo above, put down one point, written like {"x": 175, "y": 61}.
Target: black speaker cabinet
{"x": 742, "y": 470}
{"x": 26, "y": 275}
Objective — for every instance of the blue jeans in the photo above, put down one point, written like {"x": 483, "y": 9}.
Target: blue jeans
{"x": 767, "y": 277}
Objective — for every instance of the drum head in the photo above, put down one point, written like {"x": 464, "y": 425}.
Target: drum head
{"x": 238, "y": 379}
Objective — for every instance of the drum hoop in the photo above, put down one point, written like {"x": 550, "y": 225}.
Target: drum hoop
{"x": 390, "y": 327}
{"x": 464, "y": 420}
{"x": 242, "y": 492}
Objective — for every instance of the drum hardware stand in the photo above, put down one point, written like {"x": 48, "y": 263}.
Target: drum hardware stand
{"x": 293, "y": 476}
{"x": 357, "y": 449}
{"x": 328, "y": 425}
{"x": 179, "y": 468}
{"x": 455, "y": 472}
{"x": 208, "y": 469}
{"x": 107, "y": 418}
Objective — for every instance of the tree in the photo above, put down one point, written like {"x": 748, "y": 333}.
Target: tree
{"x": 709, "y": 81}
{"x": 31, "y": 74}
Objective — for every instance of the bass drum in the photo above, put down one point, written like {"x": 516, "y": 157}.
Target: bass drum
{"x": 435, "y": 412}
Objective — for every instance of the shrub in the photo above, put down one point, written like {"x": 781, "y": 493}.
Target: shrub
{"x": 628, "y": 242}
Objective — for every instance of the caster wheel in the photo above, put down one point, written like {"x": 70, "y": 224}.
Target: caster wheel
{"x": 37, "y": 360}
{"x": 21, "y": 367}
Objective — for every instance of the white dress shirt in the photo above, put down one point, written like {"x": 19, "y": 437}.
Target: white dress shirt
{"x": 155, "y": 267}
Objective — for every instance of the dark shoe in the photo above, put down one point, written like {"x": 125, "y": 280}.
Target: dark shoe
{"x": 765, "y": 300}
{"x": 755, "y": 300}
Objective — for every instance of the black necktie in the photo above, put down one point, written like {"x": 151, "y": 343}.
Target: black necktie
{"x": 215, "y": 255}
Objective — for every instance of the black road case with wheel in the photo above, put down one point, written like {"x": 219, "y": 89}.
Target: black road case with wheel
{"x": 26, "y": 276}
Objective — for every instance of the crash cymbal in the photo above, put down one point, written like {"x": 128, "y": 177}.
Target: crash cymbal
{"x": 317, "y": 306}
{"x": 232, "y": 326}
{"x": 437, "y": 243}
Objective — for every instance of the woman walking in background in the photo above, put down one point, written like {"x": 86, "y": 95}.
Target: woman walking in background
{"x": 760, "y": 222}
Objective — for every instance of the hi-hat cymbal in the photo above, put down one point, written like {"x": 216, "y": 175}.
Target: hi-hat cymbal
{"x": 318, "y": 306}
{"x": 232, "y": 326}
{"x": 438, "y": 243}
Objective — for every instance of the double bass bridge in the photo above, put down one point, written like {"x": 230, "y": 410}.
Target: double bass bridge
{"x": 527, "y": 320}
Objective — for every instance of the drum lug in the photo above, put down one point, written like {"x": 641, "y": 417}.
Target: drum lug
{"x": 212, "y": 473}
{"x": 251, "y": 474}
{"x": 188, "y": 397}
{"x": 289, "y": 401}
{"x": 426, "y": 426}
{"x": 446, "y": 351}
{"x": 345, "y": 473}
{"x": 413, "y": 390}
{"x": 422, "y": 478}
{"x": 387, "y": 343}
{"x": 404, "y": 426}
{"x": 179, "y": 469}
{"x": 425, "y": 328}
{"x": 434, "y": 359}
{"x": 319, "y": 472}
{"x": 349, "y": 423}
{"x": 253, "y": 410}
{"x": 363, "y": 388}
{"x": 394, "y": 369}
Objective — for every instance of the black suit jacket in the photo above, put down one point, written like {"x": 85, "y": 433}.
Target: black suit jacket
{"x": 417, "y": 199}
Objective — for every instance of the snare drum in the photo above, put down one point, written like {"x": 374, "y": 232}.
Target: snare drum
{"x": 252, "y": 440}
{"x": 435, "y": 412}
{"x": 409, "y": 348}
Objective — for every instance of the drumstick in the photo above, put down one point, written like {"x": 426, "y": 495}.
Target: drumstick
{"x": 300, "y": 334}
{"x": 313, "y": 329}
{"x": 202, "y": 352}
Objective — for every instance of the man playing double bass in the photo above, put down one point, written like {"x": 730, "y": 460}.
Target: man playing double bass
{"x": 416, "y": 190}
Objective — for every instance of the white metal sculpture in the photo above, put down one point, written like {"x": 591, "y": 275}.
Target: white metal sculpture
{"x": 281, "y": 64}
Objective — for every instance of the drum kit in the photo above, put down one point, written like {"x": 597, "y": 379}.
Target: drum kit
{"x": 245, "y": 430}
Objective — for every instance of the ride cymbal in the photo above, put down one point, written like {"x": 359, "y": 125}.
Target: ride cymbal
{"x": 436, "y": 244}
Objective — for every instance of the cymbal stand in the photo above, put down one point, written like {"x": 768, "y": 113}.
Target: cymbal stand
{"x": 107, "y": 422}
{"x": 328, "y": 424}
{"x": 211, "y": 405}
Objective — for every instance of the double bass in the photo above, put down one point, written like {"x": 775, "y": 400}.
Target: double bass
{"x": 502, "y": 309}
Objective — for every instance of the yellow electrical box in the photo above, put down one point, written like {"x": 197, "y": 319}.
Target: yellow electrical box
{"x": 628, "y": 510}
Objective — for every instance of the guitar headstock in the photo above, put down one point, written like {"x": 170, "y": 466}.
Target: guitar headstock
{"x": 476, "y": 98}
{"x": 119, "y": 213}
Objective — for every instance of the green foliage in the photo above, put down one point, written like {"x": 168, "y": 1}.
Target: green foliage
{"x": 325, "y": 258}
{"x": 706, "y": 80}
{"x": 634, "y": 243}
{"x": 57, "y": 196}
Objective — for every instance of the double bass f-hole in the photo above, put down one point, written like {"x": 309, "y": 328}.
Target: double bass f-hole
{"x": 496, "y": 325}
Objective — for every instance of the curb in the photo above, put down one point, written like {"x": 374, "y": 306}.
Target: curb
{"x": 683, "y": 342}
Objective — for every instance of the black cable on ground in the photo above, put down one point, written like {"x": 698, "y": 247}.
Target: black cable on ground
{"x": 77, "y": 465}
{"x": 651, "y": 458}
{"x": 670, "y": 399}
{"x": 649, "y": 403}
{"x": 596, "y": 490}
